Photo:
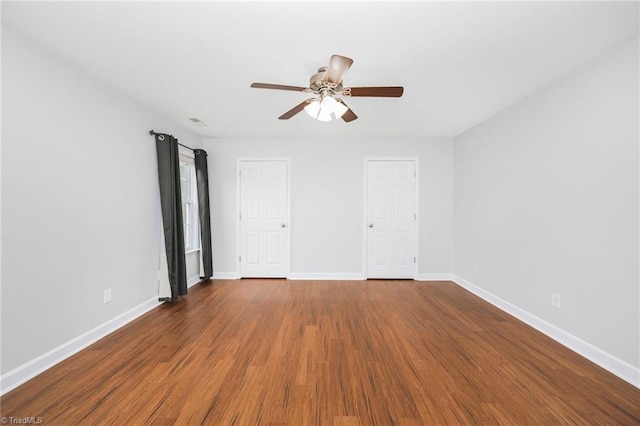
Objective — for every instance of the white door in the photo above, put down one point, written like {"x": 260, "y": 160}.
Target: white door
{"x": 263, "y": 219}
{"x": 391, "y": 218}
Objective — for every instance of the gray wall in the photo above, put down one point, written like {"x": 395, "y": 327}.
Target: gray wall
{"x": 80, "y": 209}
{"x": 328, "y": 175}
{"x": 546, "y": 200}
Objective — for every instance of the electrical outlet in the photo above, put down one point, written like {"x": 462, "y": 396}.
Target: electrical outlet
{"x": 555, "y": 299}
{"x": 107, "y": 295}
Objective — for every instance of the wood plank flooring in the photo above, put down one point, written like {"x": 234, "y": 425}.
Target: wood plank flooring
{"x": 279, "y": 352}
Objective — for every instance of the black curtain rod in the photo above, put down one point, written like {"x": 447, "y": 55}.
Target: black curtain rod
{"x": 151, "y": 132}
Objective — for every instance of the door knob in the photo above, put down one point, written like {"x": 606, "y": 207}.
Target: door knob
{"x": 282, "y": 225}
{"x": 371, "y": 225}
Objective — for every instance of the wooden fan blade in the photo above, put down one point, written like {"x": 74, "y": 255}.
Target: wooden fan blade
{"x": 293, "y": 111}
{"x": 349, "y": 115}
{"x": 338, "y": 66}
{"x": 278, "y": 87}
{"x": 381, "y": 92}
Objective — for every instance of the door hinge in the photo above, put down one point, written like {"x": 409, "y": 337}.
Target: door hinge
{"x": 414, "y": 216}
{"x": 240, "y": 259}
{"x": 240, "y": 216}
{"x": 240, "y": 174}
{"x": 414, "y": 259}
{"x": 415, "y": 173}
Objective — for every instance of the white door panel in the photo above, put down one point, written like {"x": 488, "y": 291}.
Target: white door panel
{"x": 263, "y": 219}
{"x": 391, "y": 216}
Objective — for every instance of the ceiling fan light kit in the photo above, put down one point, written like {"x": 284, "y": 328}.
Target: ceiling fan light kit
{"x": 326, "y": 84}
{"x": 326, "y": 108}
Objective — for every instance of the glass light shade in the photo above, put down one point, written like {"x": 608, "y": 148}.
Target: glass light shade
{"x": 334, "y": 107}
{"x": 313, "y": 109}
{"x": 325, "y": 110}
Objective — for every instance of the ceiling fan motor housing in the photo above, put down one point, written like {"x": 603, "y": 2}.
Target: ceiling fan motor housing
{"x": 317, "y": 83}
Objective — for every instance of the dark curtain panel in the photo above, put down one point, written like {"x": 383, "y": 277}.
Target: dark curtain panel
{"x": 202, "y": 180}
{"x": 171, "y": 204}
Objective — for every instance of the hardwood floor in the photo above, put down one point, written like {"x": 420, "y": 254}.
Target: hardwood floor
{"x": 279, "y": 352}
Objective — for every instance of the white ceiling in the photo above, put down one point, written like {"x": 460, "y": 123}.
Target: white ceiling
{"x": 460, "y": 62}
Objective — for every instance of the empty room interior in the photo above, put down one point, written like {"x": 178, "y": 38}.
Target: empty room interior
{"x": 330, "y": 213}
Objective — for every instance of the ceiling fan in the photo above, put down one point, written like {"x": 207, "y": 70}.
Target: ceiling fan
{"x": 326, "y": 84}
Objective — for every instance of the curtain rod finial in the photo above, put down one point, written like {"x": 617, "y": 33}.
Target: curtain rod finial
{"x": 151, "y": 132}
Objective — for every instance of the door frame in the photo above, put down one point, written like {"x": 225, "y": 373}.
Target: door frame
{"x": 287, "y": 237}
{"x": 365, "y": 218}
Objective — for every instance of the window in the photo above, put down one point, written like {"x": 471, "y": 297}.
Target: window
{"x": 189, "y": 202}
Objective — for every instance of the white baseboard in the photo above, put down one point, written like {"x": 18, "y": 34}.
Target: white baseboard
{"x": 193, "y": 281}
{"x": 358, "y": 276}
{"x": 27, "y": 371}
{"x": 340, "y": 276}
{"x": 226, "y": 276}
{"x": 615, "y": 365}
{"x": 434, "y": 277}
{"x": 299, "y": 276}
